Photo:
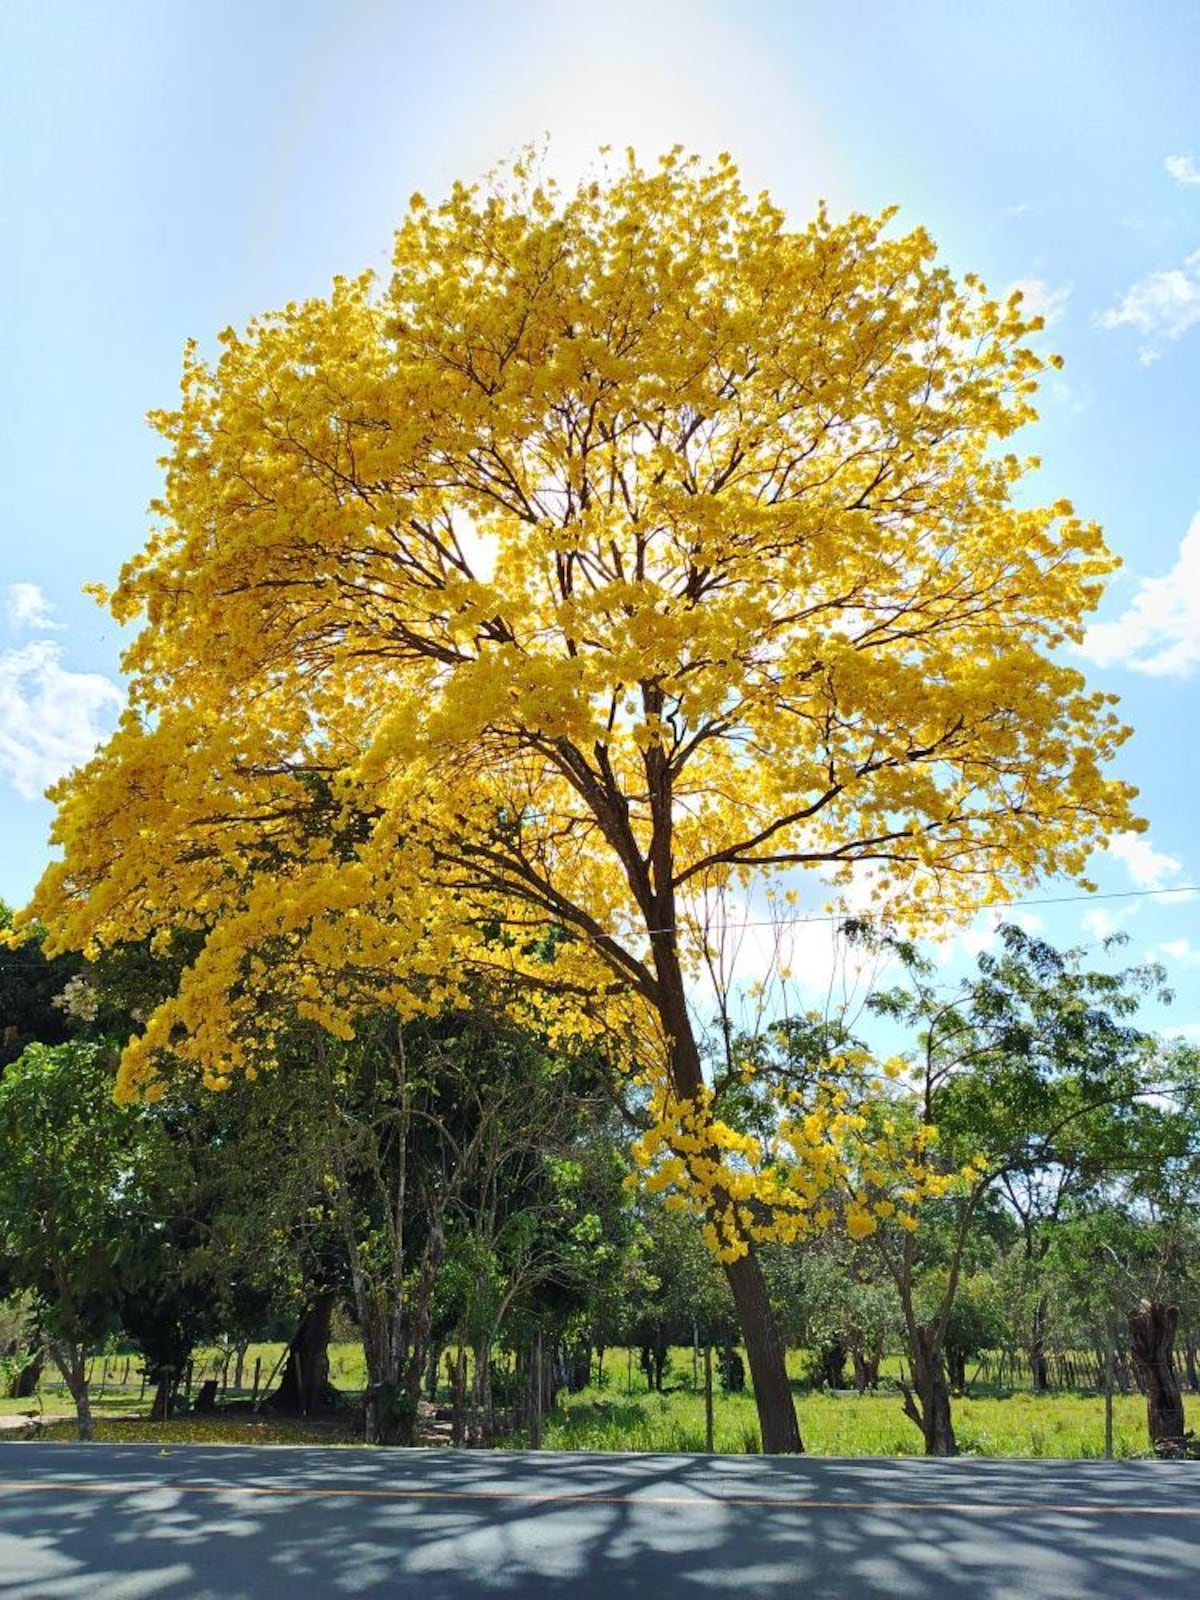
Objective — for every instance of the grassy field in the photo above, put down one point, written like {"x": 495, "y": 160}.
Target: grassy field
{"x": 1061, "y": 1424}
{"x": 848, "y": 1424}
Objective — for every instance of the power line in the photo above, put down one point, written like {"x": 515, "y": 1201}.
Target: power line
{"x": 851, "y": 916}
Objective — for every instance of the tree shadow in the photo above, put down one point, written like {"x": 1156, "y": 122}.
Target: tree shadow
{"x": 159, "y": 1524}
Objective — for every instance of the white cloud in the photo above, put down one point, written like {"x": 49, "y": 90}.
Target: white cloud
{"x": 1038, "y": 299}
{"x": 1162, "y": 306}
{"x": 982, "y": 933}
{"x": 50, "y": 719}
{"x": 1100, "y": 923}
{"x": 1183, "y": 169}
{"x": 1177, "y": 952}
{"x": 26, "y": 607}
{"x": 1147, "y": 867}
{"x": 1158, "y": 633}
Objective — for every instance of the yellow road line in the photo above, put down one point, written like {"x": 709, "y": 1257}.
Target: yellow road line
{"x": 580, "y": 1498}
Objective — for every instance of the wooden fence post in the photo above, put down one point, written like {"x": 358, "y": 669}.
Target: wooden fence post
{"x": 709, "y": 1443}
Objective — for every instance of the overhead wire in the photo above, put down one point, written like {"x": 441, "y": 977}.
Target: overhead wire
{"x": 735, "y": 924}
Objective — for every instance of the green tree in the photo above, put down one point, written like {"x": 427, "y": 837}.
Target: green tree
{"x": 1033, "y": 1071}
{"x": 64, "y": 1167}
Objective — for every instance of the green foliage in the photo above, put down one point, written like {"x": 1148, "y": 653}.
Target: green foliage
{"x": 677, "y": 1289}
{"x": 30, "y": 984}
{"x": 65, "y": 1164}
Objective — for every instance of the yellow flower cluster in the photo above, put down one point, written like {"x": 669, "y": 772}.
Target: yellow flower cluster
{"x": 848, "y": 1152}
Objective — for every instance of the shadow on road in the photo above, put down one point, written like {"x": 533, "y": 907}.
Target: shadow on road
{"x": 138, "y": 1523}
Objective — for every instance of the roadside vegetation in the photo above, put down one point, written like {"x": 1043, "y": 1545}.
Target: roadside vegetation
{"x": 461, "y": 1172}
{"x": 622, "y": 1414}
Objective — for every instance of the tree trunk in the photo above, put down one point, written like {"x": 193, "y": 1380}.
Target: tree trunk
{"x": 306, "y": 1375}
{"x": 71, "y": 1361}
{"x": 160, "y": 1408}
{"x": 550, "y": 1379}
{"x": 535, "y": 1392}
{"x": 1189, "y": 1359}
{"x": 772, "y": 1390}
{"x": 481, "y": 1391}
{"x": 1100, "y": 1359}
{"x": 420, "y": 1326}
{"x": 764, "y": 1348}
{"x": 659, "y": 1351}
{"x": 1121, "y": 1367}
{"x": 930, "y": 1407}
{"x": 83, "y": 1413}
{"x": 956, "y": 1366}
{"x": 1152, "y": 1326}
{"x": 579, "y": 1367}
{"x": 1037, "y": 1349}
{"x": 833, "y": 1365}
{"x": 709, "y": 1430}
{"x": 866, "y": 1366}
{"x": 25, "y": 1383}
{"x": 456, "y": 1371}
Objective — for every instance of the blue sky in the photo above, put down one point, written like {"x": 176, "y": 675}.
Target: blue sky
{"x": 169, "y": 169}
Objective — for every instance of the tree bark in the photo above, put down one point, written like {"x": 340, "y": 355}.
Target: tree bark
{"x": 833, "y": 1365}
{"x": 956, "y": 1366}
{"x": 1037, "y": 1349}
{"x": 930, "y": 1407}
{"x": 535, "y": 1392}
{"x": 456, "y": 1371}
{"x": 420, "y": 1324}
{"x": 768, "y": 1370}
{"x": 306, "y": 1375}
{"x": 866, "y": 1360}
{"x": 653, "y": 1362}
{"x": 1152, "y": 1326}
{"x": 71, "y": 1361}
{"x": 160, "y": 1406}
{"x": 765, "y": 1350}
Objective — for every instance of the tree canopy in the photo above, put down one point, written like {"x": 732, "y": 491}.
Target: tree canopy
{"x": 621, "y": 541}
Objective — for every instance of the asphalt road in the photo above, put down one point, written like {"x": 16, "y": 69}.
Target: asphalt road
{"x": 138, "y": 1522}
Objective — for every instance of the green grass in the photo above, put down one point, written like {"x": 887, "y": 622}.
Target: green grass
{"x": 1063, "y": 1425}
{"x": 1060, "y": 1424}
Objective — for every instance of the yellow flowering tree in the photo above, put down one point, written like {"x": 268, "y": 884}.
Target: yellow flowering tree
{"x": 625, "y": 546}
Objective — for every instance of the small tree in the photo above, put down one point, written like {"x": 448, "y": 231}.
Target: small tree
{"x": 1030, "y": 1072}
{"x": 976, "y": 1322}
